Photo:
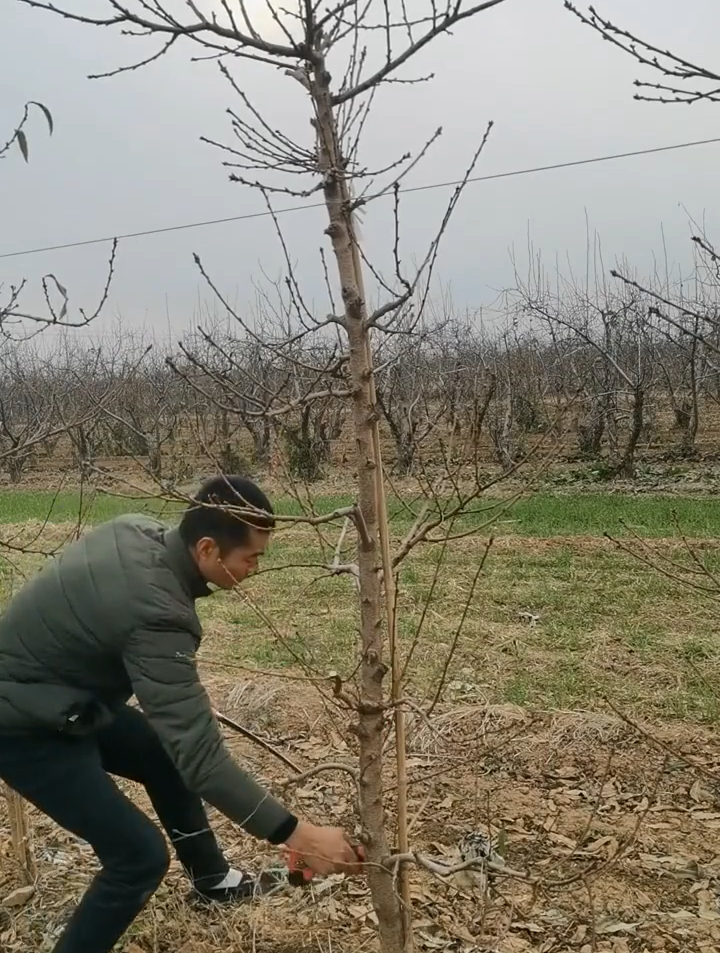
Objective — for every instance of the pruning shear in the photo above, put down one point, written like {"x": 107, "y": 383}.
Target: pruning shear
{"x": 299, "y": 874}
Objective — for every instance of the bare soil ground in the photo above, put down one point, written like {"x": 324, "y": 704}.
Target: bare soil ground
{"x": 618, "y": 837}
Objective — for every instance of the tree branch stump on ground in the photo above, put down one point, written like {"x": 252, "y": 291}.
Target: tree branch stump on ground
{"x": 20, "y": 834}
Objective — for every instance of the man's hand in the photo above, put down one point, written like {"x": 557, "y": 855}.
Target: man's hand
{"x": 325, "y": 850}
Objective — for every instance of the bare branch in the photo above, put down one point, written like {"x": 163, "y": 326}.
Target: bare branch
{"x": 454, "y": 15}
{"x": 664, "y": 61}
{"x": 162, "y": 23}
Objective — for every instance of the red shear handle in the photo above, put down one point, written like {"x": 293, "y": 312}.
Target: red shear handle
{"x": 297, "y": 867}
{"x": 324, "y": 849}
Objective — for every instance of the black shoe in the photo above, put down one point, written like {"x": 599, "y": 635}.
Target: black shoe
{"x": 250, "y": 886}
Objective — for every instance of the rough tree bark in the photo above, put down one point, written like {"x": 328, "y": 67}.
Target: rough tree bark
{"x": 626, "y": 466}
{"x": 373, "y": 670}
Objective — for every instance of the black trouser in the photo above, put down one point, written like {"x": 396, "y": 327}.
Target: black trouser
{"x": 69, "y": 780}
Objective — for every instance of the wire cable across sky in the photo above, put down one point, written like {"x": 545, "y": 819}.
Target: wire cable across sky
{"x": 406, "y": 191}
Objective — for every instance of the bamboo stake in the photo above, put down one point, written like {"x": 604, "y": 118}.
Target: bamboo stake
{"x": 388, "y": 906}
{"x": 391, "y": 613}
{"x": 20, "y": 833}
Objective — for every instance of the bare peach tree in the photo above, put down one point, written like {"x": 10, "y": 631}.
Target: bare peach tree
{"x": 15, "y": 320}
{"x": 38, "y": 405}
{"x": 235, "y": 386}
{"x": 605, "y": 335}
{"x": 340, "y": 53}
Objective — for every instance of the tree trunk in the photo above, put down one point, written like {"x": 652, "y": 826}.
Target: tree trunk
{"x": 590, "y": 434}
{"x": 155, "y": 461}
{"x": 626, "y": 467}
{"x": 15, "y": 466}
{"x": 694, "y": 425}
{"x": 480, "y": 410}
{"x": 84, "y": 448}
{"x": 373, "y": 669}
{"x": 405, "y": 454}
{"x": 261, "y": 433}
{"x": 402, "y": 430}
{"x": 506, "y": 452}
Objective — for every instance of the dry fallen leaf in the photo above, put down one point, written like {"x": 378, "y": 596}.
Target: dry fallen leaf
{"x": 19, "y": 896}
{"x": 562, "y": 840}
{"x": 596, "y": 846}
{"x": 461, "y": 932}
{"x": 513, "y": 944}
{"x": 432, "y": 942}
{"x": 606, "y": 927}
{"x": 358, "y": 912}
{"x": 707, "y": 906}
{"x": 696, "y": 792}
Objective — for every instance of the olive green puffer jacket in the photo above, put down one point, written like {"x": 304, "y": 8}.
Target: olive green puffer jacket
{"x": 112, "y": 616}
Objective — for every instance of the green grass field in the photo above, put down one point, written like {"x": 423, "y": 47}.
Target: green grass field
{"x": 543, "y": 515}
{"x": 608, "y": 626}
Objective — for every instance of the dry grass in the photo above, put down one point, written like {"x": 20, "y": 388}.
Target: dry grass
{"x": 548, "y": 783}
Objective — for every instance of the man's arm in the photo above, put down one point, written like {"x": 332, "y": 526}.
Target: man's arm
{"x": 162, "y": 668}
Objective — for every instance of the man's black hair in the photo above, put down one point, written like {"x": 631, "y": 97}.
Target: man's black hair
{"x": 229, "y": 529}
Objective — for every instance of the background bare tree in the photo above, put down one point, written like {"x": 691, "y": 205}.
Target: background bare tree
{"x": 41, "y": 402}
{"x": 605, "y": 336}
{"x": 543, "y": 372}
{"x": 691, "y": 326}
{"x": 16, "y": 322}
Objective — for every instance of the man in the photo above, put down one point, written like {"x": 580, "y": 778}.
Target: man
{"x": 114, "y": 616}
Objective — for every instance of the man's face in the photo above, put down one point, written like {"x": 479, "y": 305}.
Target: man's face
{"x": 232, "y": 567}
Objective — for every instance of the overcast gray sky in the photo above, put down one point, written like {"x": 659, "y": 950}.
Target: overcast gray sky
{"x": 126, "y": 156}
